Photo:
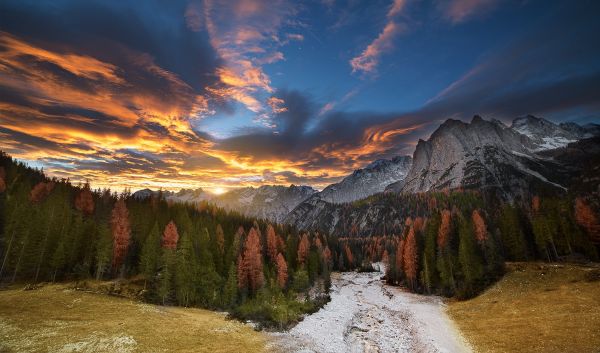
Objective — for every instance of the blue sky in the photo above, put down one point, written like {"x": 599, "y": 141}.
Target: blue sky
{"x": 228, "y": 93}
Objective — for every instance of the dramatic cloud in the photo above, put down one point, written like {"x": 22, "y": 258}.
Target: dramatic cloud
{"x": 368, "y": 60}
{"x": 192, "y": 93}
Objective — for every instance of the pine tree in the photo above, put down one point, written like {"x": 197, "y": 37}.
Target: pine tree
{"x": 231, "y": 288}
{"x": 511, "y": 231}
{"x": 220, "y": 239}
{"x": 103, "y": 251}
{"x": 469, "y": 257}
{"x": 165, "y": 278}
{"x": 150, "y": 256}
{"x": 186, "y": 272}
{"x": 429, "y": 272}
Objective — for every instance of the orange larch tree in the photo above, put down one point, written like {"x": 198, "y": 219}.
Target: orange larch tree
{"x": 479, "y": 227}
{"x": 2, "y": 179}
{"x": 585, "y": 217}
{"x": 40, "y": 191}
{"x": 84, "y": 201}
{"x": 444, "y": 230}
{"x": 170, "y": 236}
{"x": 411, "y": 258}
{"x": 121, "y": 232}
{"x": 282, "y": 271}
{"x": 251, "y": 260}
{"x": 303, "y": 249}
{"x": 272, "y": 250}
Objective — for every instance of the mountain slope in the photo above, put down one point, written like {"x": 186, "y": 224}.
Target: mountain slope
{"x": 545, "y": 135}
{"x": 268, "y": 201}
{"x": 367, "y": 181}
{"x": 482, "y": 154}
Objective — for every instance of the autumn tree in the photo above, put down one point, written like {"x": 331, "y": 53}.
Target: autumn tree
{"x": 586, "y": 218}
{"x": 250, "y": 272}
{"x": 411, "y": 258}
{"x": 40, "y": 191}
{"x": 84, "y": 200}
{"x": 282, "y": 271}
{"x": 444, "y": 230}
{"x": 2, "y": 180}
{"x": 170, "y": 236}
{"x": 272, "y": 250}
{"x": 479, "y": 226}
{"x": 121, "y": 232}
{"x": 303, "y": 249}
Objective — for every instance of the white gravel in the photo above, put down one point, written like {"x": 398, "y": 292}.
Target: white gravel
{"x": 365, "y": 315}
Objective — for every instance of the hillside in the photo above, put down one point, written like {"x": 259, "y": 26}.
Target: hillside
{"x": 65, "y": 320}
{"x": 535, "y": 308}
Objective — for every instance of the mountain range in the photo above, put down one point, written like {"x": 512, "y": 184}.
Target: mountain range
{"x": 531, "y": 155}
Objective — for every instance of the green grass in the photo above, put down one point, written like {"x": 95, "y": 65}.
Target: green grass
{"x": 535, "y": 308}
{"x": 55, "y": 318}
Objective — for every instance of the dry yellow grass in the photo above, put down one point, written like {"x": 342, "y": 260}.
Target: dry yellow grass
{"x": 57, "y": 319}
{"x": 534, "y": 308}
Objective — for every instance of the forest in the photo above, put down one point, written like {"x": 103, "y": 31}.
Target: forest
{"x": 451, "y": 243}
{"x": 188, "y": 255}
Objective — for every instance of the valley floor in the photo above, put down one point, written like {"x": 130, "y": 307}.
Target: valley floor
{"x": 55, "y": 318}
{"x": 364, "y": 315}
{"x": 535, "y": 307}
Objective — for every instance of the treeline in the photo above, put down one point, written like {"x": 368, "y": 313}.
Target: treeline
{"x": 182, "y": 254}
{"x": 455, "y": 243}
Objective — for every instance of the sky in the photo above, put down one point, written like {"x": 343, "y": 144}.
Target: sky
{"x": 221, "y": 94}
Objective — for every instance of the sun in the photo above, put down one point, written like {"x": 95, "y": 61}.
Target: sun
{"x": 218, "y": 190}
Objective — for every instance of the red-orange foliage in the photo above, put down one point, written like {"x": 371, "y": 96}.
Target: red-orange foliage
{"x": 272, "y": 243}
{"x": 411, "y": 257}
{"x": 419, "y": 224}
{"x": 2, "y": 180}
{"x": 170, "y": 236}
{"x": 251, "y": 270}
{"x": 121, "y": 232}
{"x": 585, "y": 217}
{"x": 349, "y": 255}
{"x": 282, "y": 271}
{"x": 220, "y": 239}
{"x": 535, "y": 204}
{"x": 303, "y": 249}
{"x": 84, "y": 201}
{"x": 40, "y": 191}
{"x": 327, "y": 256}
{"x": 479, "y": 226}
{"x": 385, "y": 258}
{"x": 444, "y": 230}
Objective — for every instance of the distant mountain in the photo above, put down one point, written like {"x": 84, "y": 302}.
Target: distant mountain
{"x": 372, "y": 179}
{"x": 268, "y": 201}
{"x": 367, "y": 181}
{"x": 182, "y": 196}
{"x": 545, "y": 135}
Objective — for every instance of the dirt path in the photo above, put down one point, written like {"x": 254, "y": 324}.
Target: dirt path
{"x": 364, "y": 315}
